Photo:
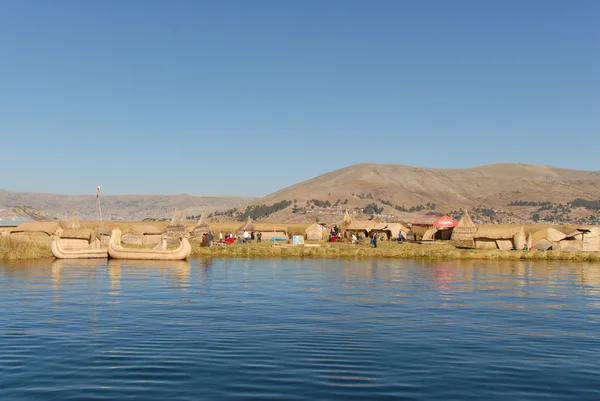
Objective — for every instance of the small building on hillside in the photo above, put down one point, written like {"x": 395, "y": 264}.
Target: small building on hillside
{"x": 465, "y": 230}
{"x": 389, "y": 230}
{"x": 432, "y": 227}
{"x": 316, "y": 232}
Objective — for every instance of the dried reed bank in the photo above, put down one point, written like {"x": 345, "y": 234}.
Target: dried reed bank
{"x": 390, "y": 250}
{"x": 13, "y": 248}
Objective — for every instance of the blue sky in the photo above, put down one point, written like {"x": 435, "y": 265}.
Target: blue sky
{"x": 247, "y": 97}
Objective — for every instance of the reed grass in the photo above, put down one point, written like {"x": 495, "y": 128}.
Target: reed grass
{"x": 16, "y": 248}
{"x": 389, "y": 250}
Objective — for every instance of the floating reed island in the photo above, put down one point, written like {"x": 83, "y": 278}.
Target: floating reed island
{"x": 429, "y": 237}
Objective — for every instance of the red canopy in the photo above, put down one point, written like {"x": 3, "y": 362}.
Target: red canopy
{"x": 435, "y": 221}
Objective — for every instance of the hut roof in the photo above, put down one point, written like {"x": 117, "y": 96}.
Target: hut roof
{"x": 73, "y": 223}
{"x": 465, "y": 221}
{"x": 391, "y": 227}
{"x": 248, "y": 225}
{"x": 361, "y": 225}
{"x": 48, "y": 227}
{"x": 142, "y": 229}
{"x": 497, "y": 232}
{"x": 76, "y": 233}
{"x": 202, "y": 225}
{"x": 178, "y": 220}
{"x": 550, "y": 234}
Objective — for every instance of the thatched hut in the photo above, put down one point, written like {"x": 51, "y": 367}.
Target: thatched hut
{"x": 248, "y": 226}
{"x": 316, "y": 232}
{"x": 72, "y": 223}
{"x": 359, "y": 228}
{"x": 141, "y": 234}
{"x": 546, "y": 239}
{"x": 389, "y": 230}
{"x": 176, "y": 229}
{"x": 103, "y": 234}
{"x": 202, "y": 228}
{"x": 465, "y": 230}
{"x": 583, "y": 239}
{"x": 496, "y": 237}
{"x": 36, "y": 230}
{"x": 274, "y": 234}
{"x": 75, "y": 238}
{"x": 431, "y": 227}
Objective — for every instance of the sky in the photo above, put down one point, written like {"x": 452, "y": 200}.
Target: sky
{"x": 247, "y": 97}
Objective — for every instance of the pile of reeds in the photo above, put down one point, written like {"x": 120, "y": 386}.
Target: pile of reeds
{"x": 15, "y": 248}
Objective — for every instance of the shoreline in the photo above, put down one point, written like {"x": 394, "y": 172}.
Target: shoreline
{"x": 20, "y": 250}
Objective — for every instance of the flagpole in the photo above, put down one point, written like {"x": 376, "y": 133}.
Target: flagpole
{"x": 98, "y": 203}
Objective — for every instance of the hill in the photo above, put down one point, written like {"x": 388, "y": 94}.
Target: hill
{"x": 114, "y": 207}
{"x": 403, "y": 191}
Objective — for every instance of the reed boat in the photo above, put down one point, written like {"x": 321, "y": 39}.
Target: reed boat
{"x": 116, "y": 251}
{"x": 83, "y": 253}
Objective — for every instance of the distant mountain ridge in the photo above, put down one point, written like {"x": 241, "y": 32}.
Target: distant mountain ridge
{"x": 519, "y": 191}
{"x": 119, "y": 207}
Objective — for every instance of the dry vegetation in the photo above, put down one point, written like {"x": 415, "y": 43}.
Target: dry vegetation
{"x": 13, "y": 248}
{"x": 391, "y": 250}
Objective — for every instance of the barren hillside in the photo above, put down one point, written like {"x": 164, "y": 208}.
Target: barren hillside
{"x": 493, "y": 186}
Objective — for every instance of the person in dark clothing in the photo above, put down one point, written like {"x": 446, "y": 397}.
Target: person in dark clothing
{"x": 209, "y": 239}
{"x": 259, "y": 237}
{"x": 375, "y": 241}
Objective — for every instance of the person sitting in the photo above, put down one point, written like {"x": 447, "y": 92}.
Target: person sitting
{"x": 354, "y": 239}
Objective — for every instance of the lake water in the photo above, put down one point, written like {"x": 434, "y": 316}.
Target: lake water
{"x": 299, "y": 330}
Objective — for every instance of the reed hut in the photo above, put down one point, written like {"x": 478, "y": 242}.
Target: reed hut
{"x": 497, "y": 237}
{"x": 431, "y": 227}
{"x": 36, "y": 230}
{"x": 465, "y": 230}
{"x": 389, "y": 230}
{"x": 72, "y": 223}
{"x": 274, "y": 234}
{"x": 176, "y": 228}
{"x": 202, "y": 228}
{"x": 103, "y": 234}
{"x": 546, "y": 239}
{"x": 585, "y": 239}
{"x": 141, "y": 234}
{"x": 75, "y": 238}
{"x": 247, "y": 226}
{"x": 359, "y": 228}
{"x": 316, "y": 232}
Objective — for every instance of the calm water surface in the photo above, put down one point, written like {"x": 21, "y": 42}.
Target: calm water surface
{"x": 299, "y": 330}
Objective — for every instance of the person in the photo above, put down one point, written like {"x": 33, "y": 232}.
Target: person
{"x": 259, "y": 237}
{"x": 209, "y": 239}
{"x": 354, "y": 239}
{"x": 204, "y": 238}
{"x": 400, "y": 237}
{"x": 220, "y": 236}
{"x": 375, "y": 241}
{"x": 252, "y": 235}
